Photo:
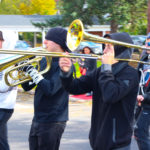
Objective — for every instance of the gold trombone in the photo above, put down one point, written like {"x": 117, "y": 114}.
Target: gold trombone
{"x": 26, "y": 58}
{"x": 75, "y": 36}
{"x": 14, "y": 63}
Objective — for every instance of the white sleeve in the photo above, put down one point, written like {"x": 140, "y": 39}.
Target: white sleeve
{"x": 3, "y": 86}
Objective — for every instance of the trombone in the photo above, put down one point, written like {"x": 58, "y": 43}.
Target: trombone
{"x": 26, "y": 57}
{"x": 13, "y": 65}
{"x": 75, "y": 36}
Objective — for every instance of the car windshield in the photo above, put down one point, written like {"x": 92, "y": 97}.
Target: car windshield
{"x": 143, "y": 38}
{"x": 138, "y": 39}
{"x": 22, "y": 45}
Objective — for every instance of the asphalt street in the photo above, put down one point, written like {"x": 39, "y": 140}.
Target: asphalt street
{"x": 75, "y": 136}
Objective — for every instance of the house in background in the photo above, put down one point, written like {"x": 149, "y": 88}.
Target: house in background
{"x": 23, "y": 23}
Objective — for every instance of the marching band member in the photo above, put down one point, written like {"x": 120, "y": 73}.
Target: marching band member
{"x": 7, "y": 103}
{"x": 143, "y": 120}
{"x": 50, "y": 99}
{"x": 115, "y": 87}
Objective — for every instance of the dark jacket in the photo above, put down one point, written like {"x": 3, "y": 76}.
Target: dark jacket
{"x": 90, "y": 65}
{"x": 114, "y": 97}
{"x": 146, "y": 89}
{"x": 50, "y": 99}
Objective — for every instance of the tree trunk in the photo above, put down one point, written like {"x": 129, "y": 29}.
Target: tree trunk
{"x": 148, "y": 17}
{"x": 114, "y": 26}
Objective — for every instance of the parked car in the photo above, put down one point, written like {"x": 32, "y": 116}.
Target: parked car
{"x": 23, "y": 45}
{"x": 138, "y": 39}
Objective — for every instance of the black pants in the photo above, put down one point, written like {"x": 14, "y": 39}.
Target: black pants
{"x": 141, "y": 132}
{"x": 4, "y": 117}
{"x": 123, "y": 148}
{"x": 46, "y": 136}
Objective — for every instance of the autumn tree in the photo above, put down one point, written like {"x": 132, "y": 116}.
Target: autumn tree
{"x": 8, "y": 7}
{"x": 28, "y": 7}
{"x": 137, "y": 18}
{"x": 41, "y": 7}
{"x": 115, "y": 12}
{"x": 148, "y": 17}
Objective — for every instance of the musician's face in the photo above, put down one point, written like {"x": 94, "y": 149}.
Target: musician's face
{"x": 109, "y": 48}
{"x": 1, "y": 43}
{"x": 52, "y": 46}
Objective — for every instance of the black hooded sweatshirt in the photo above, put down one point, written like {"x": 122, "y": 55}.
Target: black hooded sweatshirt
{"x": 50, "y": 99}
{"x": 114, "y": 97}
{"x": 146, "y": 89}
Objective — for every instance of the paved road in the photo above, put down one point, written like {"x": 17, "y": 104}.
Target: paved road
{"x": 76, "y": 133}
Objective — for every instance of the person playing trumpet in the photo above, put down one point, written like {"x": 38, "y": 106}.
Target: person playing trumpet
{"x": 115, "y": 87}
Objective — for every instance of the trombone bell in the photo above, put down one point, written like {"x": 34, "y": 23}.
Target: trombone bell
{"x": 75, "y": 34}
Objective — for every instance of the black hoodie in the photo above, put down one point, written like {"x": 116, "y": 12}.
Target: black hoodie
{"x": 121, "y": 51}
{"x": 114, "y": 97}
{"x": 50, "y": 99}
{"x": 146, "y": 89}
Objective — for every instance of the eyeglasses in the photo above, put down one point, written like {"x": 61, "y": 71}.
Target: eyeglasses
{"x": 148, "y": 43}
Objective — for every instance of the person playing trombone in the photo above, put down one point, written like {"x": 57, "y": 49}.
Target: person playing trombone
{"x": 115, "y": 87}
{"x": 50, "y": 99}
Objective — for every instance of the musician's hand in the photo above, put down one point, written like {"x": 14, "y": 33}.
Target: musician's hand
{"x": 140, "y": 99}
{"x": 24, "y": 68}
{"x": 27, "y": 67}
{"x": 65, "y": 64}
{"x": 34, "y": 74}
{"x": 108, "y": 57}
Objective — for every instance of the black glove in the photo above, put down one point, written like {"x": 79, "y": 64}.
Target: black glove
{"x": 24, "y": 68}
